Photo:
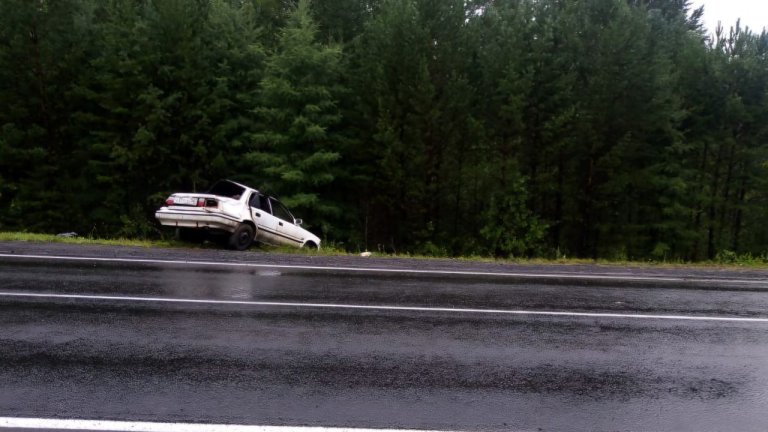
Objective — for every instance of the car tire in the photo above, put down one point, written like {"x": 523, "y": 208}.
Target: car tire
{"x": 241, "y": 238}
{"x": 311, "y": 246}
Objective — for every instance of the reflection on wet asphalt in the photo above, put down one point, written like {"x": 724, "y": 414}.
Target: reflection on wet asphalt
{"x": 431, "y": 370}
{"x": 269, "y": 285}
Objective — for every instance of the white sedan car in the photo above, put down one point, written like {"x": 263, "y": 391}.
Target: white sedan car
{"x": 242, "y": 213}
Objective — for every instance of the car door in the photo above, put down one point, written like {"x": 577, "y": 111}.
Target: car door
{"x": 288, "y": 232}
{"x": 261, "y": 214}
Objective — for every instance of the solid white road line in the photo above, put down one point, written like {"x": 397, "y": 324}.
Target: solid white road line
{"x": 129, "y": 426}
{"x": 571, "y": 276}
{"x": 385, "y": 307}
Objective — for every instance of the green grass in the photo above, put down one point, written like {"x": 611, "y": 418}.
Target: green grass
{"x": 725, "y": 259}
{"x": 330, "y": 250}
{"x": 50, "y": 238}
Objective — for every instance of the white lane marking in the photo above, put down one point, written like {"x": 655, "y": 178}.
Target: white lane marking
{"x": 573, "y": 276}
{"x": 383, "y": 307}
{"x": 130, "y": 426}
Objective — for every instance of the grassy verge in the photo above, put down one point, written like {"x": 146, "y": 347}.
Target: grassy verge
{"x": 50, "y": 238}
{"x": 725, "y": 260}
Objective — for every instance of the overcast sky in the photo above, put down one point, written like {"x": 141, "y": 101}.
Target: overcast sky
{"x": 753, "y": 13}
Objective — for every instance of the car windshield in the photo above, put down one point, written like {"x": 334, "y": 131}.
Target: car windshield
{"x": 226, "y": 188}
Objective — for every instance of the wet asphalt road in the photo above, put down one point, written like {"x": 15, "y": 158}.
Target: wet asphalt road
{"x": 277, "y": 364}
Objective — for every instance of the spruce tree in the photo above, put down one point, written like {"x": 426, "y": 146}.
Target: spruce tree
{"x": 294, "y": 152}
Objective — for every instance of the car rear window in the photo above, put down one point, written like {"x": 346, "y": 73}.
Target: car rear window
{"x": 227, "y": 189}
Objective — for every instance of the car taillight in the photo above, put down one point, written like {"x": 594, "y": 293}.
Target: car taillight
{"x": 169, "y": 201}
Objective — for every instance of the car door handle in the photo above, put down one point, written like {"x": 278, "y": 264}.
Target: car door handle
{"x": 258, "y": 214}
{"x": 280, "y": 223}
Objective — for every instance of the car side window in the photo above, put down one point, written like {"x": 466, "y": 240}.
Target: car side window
{"x": 280, "y": 211}
{"x": 264, "y": 203}
{"x": 254, "y": 201}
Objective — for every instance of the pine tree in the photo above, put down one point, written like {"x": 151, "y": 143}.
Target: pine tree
{"x": 163, "y": 105}
{"x": 294, "y": 153}
{"x": 42, "y": 46}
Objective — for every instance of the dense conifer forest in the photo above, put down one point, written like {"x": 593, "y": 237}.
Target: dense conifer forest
{"x": 617, "y": 129}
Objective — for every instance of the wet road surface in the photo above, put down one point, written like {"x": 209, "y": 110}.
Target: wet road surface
{"x": 266, "y": 346}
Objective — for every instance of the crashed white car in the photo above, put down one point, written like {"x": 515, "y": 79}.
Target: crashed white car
{"x": 242, "y": 213}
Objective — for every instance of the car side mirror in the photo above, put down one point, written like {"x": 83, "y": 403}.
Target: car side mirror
{"x": 298, "y": 222}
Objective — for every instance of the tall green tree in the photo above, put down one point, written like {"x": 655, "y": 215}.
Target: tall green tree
{"x": 594, "y": 128}
{"x": 162, "y": 106}
{"x": 732, "y": 159}
{"x": 42, "y": 47}
{"x": 411, "y": 75}
{"x": 295, "y": 149}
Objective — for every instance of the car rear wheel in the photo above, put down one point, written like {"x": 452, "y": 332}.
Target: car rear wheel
{"x": 242, "y": 237}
